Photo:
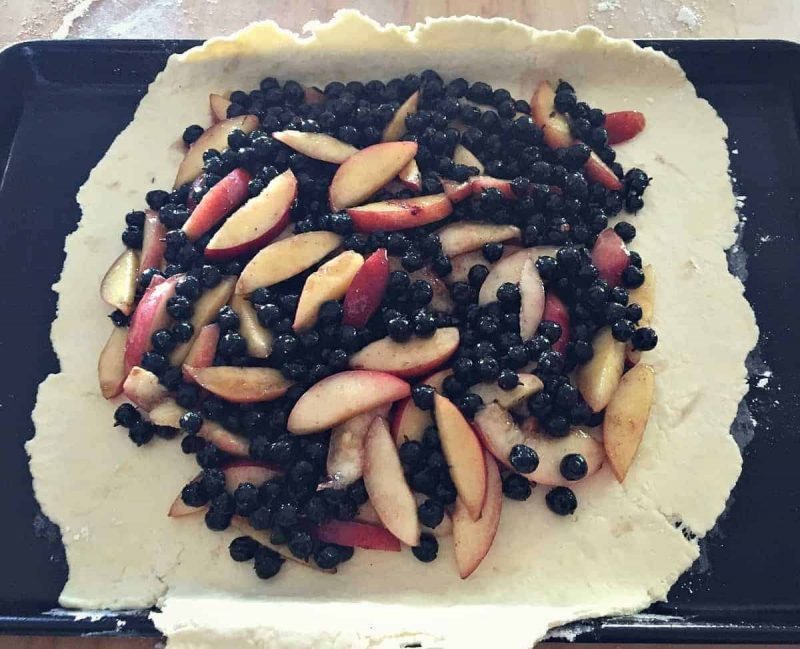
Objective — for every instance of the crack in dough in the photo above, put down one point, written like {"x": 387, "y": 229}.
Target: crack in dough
{"x": 616, "y": 555}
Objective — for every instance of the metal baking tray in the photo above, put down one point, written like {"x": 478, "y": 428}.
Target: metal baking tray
{"x": 64, "y": 102}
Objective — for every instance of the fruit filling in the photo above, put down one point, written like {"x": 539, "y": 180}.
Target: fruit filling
{"x": 374, "y": 310}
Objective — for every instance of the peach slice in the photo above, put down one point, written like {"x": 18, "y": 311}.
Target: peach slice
{"x": 509, "y": 269}
{"x": 465, "y": 236}
{"x": 365, "y": 172}
{"x": 462, "y": 263}
{"x": 314, "y": 95}
{"x": 464, "y": 454}
{"x": 472, "y": 538}
{"x": 316, "y": 145}
{"x": 149, "y": 316}
{"x": 257, "y": 222}
{"x": 169, "y": 413}
{"x": 624, "y": 125}
{"x": 263, "y": 538}
{"x": 491, "y": 392}
{"x": 367, "y": 514}
{"x": 556, "y": 311}
{"x": 463, "y": 156}
{"x": 284, "y": 259}
{"x": 357, "y": 535}
{"x": 215, "y": 137}
{"x": 479, "y": 183}
{"x": 346, "y": 449}
{"x": 401, "y": 213}
{"x": 224, "y": 197}
{"x": 111, "y": 364}
{"x": 396, "y": 128}
{"x": 531, "y": 305}
{"x": 153, "y": 242}
{"x": 241, "y": 384}
{"x": 206, "y": 310}
{"x": 240, "y": 471}
{"x": 118, "y": 288}
{"x": 610, "y": 256}
{"x": 203, "y": 350}
{"x": 386, "y": 485}
{"x": 551, "y": 450}
{"x": 412, "y": 358}
{"x": 258, "y": 339}
{"x": 644, "y": 296}
{"x": 499, "y": 433}
{"x": 409, "y": 422}
{"x": 219, "y": 107}
{"x": 342, "y": 396}
{"x": 557, "y": 134}
{"x": 364, "y": 295}
{"x": 142, "y": 387}
{"x": 329, "y": 282}
{"x": 599, "y": 378}
{"x": 455, "y": 190}
{"x": 410, "y": 176}
{"x": 626, "y": 418}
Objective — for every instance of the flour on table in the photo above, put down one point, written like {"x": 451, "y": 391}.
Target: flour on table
{"x": 616, "y": 555}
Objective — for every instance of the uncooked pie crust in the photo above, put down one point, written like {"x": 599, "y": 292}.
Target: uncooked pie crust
{"x": 622, "y": 549}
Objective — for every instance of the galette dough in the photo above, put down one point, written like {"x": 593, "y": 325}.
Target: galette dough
{"x": 622, "y": 549}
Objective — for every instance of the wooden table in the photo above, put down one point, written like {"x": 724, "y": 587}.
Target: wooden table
{"x": 201, "y": 18}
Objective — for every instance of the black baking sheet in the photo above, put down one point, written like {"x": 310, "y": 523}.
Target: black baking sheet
{"x": 63, "y": 103}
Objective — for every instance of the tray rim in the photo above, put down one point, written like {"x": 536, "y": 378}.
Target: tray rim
{"x": 701, "y": 627}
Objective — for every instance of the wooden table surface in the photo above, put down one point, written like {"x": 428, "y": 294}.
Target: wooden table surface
{"x": 29, "y": 19}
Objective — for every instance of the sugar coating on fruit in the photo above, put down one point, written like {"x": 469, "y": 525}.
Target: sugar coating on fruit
{"x": 687, "y": 451}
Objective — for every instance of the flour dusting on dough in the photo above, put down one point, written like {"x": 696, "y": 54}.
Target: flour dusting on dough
{"x": 616, "y": 555}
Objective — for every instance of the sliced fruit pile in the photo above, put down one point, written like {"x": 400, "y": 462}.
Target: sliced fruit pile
{"x": 374, "y": 310}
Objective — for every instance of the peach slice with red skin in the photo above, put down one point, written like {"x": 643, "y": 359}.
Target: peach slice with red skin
{"x": 396, "y": 128}
{"x": 412, "y": 358}
{"x": 386, "y": 485}
{"x": 556, "y": 311}
{"x": 118, "y": 287}
{"x": 464, "y": 454}
{"x": 219, "y": 106}
{"x": 203, "y": 350}
{"x": 401, "y": 213}
{"x": 479, "y": 183}
{"x": 206, "y": 310}
{"x": 214, "y": 137}
{"x": 365, "y": 172}
{"x": 241, "y": 384}
{"x": 610, "y": 256}
{"x": 316, "y": 145}
{"x": 410, "y": 176}
{"x": 455, "y": 190}
{"x": 222, "y": 199}
{"x": 345, "y": 462}
{"x": 143, "y": 389}
{"x": 153, "y": 242}
{"x": 357, "y": 535}
{"x": 531, "y": 304}
{"x": 342, "y": 396}
{"x": 557, "y": 134}
{"x": 257, "y": 222}
{"x": 149, "y": 316}
{"x": 329, "y": 282}
{"x": 466, "y": 236}
{"x": 409, "y": 422}
{"x": 472, "y": 538}
{"x": 364, "y": 295}
{"x": 258, "y": 339}
{"x": 111, "y": 364}
{"x": 623, "y": 125}
{"x": 626, "y": 418}
{"x": 286, "y": 258}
